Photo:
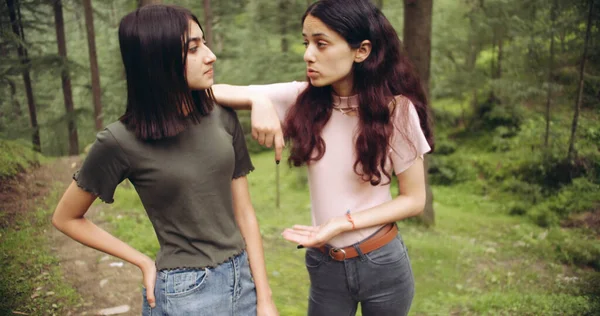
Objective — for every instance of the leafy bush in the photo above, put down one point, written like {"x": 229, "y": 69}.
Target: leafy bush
{"x": 446, "y": 170}
{"x": 15, "y": 157}
{"x": 445, "y": 147}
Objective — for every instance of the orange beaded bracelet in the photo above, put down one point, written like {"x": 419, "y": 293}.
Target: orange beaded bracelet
{"x": 349, "y": 218}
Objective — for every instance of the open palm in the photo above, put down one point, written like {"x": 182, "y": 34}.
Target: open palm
{"x": 312, "y": 236}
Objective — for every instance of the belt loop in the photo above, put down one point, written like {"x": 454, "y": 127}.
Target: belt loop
{"x": 360, "y": 254}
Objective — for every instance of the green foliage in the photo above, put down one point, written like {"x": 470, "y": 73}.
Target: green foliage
{"x": 490, "y": 115}
{"x": 580, "y": 196}
{"x": 15, "y": 157}
{"x": 489, "y": 263}
{"x": 445, "y": 170}
{"x": 32, "y": 281}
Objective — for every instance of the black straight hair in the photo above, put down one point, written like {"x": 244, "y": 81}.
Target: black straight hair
{"x": 154, "y": 47}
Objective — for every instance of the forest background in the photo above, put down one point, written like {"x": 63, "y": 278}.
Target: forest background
{"x": 513, "y": 220}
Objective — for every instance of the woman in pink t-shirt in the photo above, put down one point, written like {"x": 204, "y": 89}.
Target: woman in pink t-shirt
{"x": 361, "y": 116}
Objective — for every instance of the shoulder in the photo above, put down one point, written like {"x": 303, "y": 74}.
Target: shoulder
{"x": 227, "y": 116}
{"x": 118, "y": 132}
{"x": 400, "y": 102}
{"x": 404, "y": 113}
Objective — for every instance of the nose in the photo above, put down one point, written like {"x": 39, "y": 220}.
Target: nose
{"x": 309, "y": 56}
{"x": 210, "y": 57}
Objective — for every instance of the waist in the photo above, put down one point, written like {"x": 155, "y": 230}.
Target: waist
{"x": 377, "y": 240}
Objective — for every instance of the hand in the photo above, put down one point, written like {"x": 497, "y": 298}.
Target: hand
{"x": 266, "y": 127}
{"x": 266, "y": 308}
{"x": 316, "y": 236}
{"x": 149, "y": 272}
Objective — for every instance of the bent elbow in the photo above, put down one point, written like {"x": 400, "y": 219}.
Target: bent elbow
{"x": 419, "y": 206}
{"x": 57, "y": 222}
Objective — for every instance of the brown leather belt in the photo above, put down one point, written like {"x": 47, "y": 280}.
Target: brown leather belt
{"x": 379, "y": 239}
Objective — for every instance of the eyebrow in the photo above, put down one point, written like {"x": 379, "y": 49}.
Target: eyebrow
{"x": 195, "y": 39}
{"x": 316, "y": 34}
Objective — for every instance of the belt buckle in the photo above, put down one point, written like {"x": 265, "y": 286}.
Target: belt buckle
{"x": 335, "y": 250}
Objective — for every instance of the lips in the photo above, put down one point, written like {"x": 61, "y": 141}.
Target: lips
{"x": 311, "y": 72}
{"x": 209, "y": 72}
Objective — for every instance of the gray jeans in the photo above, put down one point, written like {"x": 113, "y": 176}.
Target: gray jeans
{"x": 381, "y": 280}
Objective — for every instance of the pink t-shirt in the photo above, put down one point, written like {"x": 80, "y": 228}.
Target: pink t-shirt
{"x": 334, "y": 186}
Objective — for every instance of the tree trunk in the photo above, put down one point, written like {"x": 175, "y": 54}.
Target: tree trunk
{"x": 550, "y": 72}
{"x": 417, "y": 43}
{"x": 492, "y": 60}
{"x": 208, "y": 21}
{"x": 13, "y": 97}
{"x": 571, "y": 152}
{"x": 417, "y": 36}
{"x": 283, "y": 18}
{"x": 498, "y": 74}
{"x": 91, "y": 37}
{"x": 65, "y": 78}
{"x": 17, "y": 28}
{"x": 142, "y": 3}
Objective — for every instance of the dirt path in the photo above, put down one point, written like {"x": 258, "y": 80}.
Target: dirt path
{"x": 104, "y": 282}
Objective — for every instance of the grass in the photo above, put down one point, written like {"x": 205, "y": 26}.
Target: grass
{"x": 32, "y": 281}
{"x": 15, "y": 157}
{"x": 476, "y": 260}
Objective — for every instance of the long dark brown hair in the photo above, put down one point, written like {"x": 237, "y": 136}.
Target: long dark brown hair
{"x": 386, "y": 73}
{"x": 154, "y": 48}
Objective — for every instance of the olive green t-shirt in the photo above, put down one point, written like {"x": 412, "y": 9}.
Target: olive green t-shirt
{"x": 184, "y": 183}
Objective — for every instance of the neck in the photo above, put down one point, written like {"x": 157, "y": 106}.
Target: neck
{"x": 344, "y": 87}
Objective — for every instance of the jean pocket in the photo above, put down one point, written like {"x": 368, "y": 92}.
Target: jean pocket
{"x": 391, "y": 253}
{"x": 313, "y": 258}
{"x": 184, "y": 281}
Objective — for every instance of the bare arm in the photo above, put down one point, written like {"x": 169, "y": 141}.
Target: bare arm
{"x": 246, "y": 220}
{"x": 266, "y": 126}
{"x": 69, "y": 218}
{"x": 410, "y": 202}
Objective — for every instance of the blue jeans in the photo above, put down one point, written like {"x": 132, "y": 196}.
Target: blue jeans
{"x": 227, "y": 289}
{"x": 381, "y": 280}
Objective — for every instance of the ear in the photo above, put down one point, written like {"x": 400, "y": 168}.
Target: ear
{"x": 363, "y": 51}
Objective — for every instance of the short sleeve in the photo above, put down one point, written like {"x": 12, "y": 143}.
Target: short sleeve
{"x": 282, "y": 95}
{"x": 104, "y": 167}
{"x": 408, "y": 140}
{"x": 243, "y": 163}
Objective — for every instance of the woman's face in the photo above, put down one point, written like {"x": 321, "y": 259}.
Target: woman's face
{"x": 199, "y": 62}
{"x": 329, "y": 58}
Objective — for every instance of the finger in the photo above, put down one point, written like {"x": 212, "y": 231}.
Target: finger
{"x": 304, "y": 233}
{"x": 279, "y": 145}
{"x": 293, "y": 237}
{"x": 150, "y": 296}
{"x": 261, "y": 138}
{"x": 269, "y": 139}
{"x": 254, "y": 133}
{"x": 305, "y": 228}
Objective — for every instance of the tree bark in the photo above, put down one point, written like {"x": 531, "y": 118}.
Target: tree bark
{"x": 65, "y": 78}
{"x": 96, "y": 88}
{"x": 283, "y": 18}
{"x": 417, "y": 36}
{"x": 13, "y": 97}
{"x": 418, "y": 16}
{"x": 498, "y": 74}
{"x": 571, "y": 153}
{"x": 208, "y": 17}
{"x": 550, "y": 71}
{"x": 17, "y": 28}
